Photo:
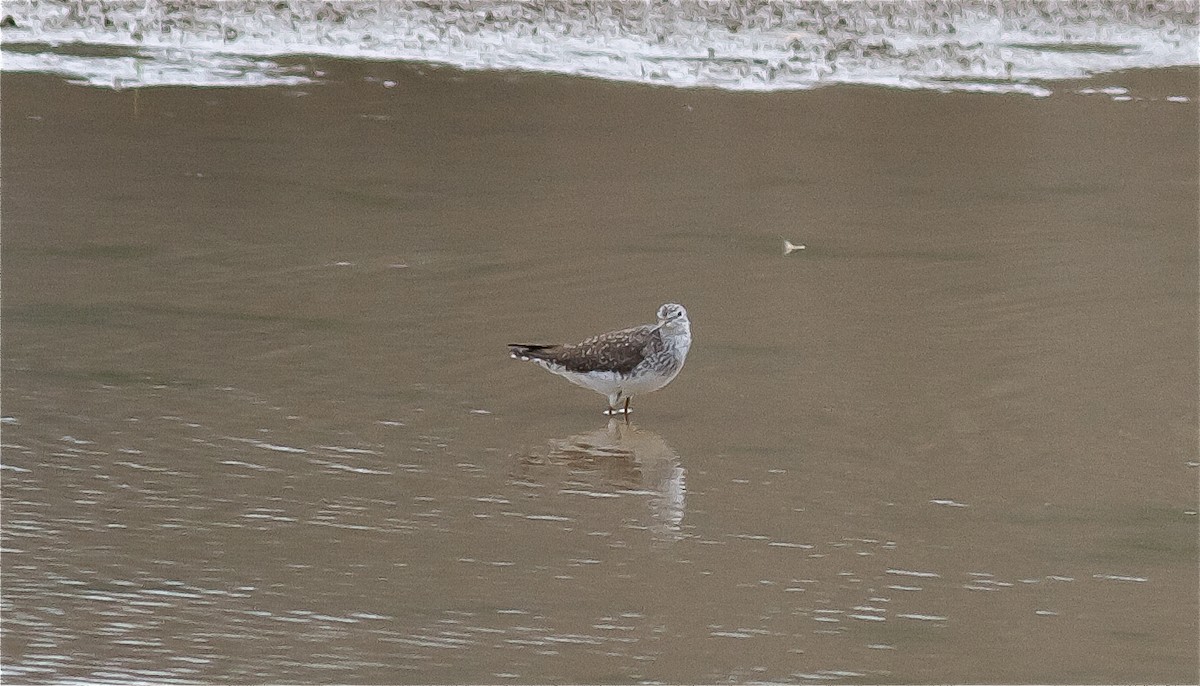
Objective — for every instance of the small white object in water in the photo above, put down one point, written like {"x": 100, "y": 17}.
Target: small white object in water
{"x": 789, "y": 247}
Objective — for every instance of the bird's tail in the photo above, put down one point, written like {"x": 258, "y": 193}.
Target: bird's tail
{"x": 521, "y": 351}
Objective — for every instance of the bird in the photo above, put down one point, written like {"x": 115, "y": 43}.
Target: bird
{"x": 619, "y": 364}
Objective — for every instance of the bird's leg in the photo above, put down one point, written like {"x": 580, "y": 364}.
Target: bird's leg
{"x": 614, "y": 399}
{"x": 627, "y": 408}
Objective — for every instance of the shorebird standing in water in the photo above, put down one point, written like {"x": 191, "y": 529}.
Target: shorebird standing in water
{"x": 620, "y": 364}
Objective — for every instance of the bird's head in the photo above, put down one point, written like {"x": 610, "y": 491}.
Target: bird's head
{"x": 673, "y": 317}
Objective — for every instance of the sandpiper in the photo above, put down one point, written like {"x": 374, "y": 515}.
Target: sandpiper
{"x": 620, "y": 364}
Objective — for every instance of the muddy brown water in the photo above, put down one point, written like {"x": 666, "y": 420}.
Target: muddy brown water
{"x": 259, "y": 424}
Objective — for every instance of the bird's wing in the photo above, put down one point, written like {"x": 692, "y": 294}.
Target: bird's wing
{"x": 615, "y": 351}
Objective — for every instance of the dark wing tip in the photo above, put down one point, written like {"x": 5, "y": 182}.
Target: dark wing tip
{"x": 520, "y": 351}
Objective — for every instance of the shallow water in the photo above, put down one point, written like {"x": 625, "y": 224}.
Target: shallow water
{"x": 260, "y": 426}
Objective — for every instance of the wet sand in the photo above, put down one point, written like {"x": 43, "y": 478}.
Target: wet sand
{"x": 260, "y": 425}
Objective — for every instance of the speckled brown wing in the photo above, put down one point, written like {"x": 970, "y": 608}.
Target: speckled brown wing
{"x": 616, "y": 351}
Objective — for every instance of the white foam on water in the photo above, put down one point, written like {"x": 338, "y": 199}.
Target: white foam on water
{"x": 348, "y": 451}
{"x": 1119, "y": 577}
{"x": 277, "y": 448}
{"x": 549, "y": 518}
{"x": 590, "y": 494}
{"x": 924, "y": 618}
{"x": 785, "y": 544}
{"x": 1011, "y": 47}
{"x": 905, "y": 572}
{"x": 730, "y": 634}
{"x": 349, "y": 468}
{"x": 154, "y": 68}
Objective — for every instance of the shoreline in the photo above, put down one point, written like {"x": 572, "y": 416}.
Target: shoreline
{"x": 293, "y": 62}
{"x": 738, "y": 48}
{"x": 762, "y": 47}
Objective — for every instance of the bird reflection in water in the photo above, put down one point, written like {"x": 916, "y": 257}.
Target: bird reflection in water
{"x": 622, "y": 460}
